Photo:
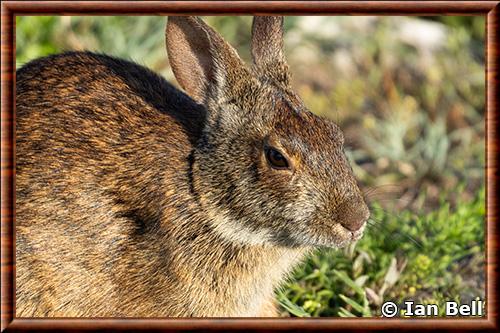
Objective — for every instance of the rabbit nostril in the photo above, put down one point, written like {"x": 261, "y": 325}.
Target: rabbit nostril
{"x": 353, "y": 224}
{"x": 353, "y": 214}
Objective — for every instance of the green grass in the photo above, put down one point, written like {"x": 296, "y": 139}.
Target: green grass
{"x": 429, "y": 258}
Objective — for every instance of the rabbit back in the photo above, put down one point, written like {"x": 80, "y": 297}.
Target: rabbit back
{"x": 92, "y": 132}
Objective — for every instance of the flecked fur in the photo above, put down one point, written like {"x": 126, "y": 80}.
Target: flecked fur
{"x": 135, "y": 199}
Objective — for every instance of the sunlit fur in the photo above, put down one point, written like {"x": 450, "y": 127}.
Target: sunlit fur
{"x": 135, "y": 199}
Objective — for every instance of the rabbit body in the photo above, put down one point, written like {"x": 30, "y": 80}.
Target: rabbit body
{"x": 135, "y": 199}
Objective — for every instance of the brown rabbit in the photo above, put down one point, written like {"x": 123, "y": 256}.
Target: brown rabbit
{"x": 134, "y": 199}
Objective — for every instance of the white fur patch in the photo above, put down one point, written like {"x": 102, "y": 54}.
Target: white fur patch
{"x": 237, "y": 232}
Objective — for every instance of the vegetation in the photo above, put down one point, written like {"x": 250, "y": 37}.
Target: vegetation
{"x": 431, "y": 258}
{"x": 409, "y": 95}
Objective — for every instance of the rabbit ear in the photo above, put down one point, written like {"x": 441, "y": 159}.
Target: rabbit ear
{"x": 267, "y": 48}
{"x": 202, "y": 62}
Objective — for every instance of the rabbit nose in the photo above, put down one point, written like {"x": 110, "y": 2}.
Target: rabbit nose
{"x": 353, "y": 213}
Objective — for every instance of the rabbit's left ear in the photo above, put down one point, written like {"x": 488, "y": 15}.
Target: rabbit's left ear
{"x": 267, "y": 49}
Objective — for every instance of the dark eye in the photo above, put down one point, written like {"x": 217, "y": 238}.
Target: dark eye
{"x": 276, "y": 159}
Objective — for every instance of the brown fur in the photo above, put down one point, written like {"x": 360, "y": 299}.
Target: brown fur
{"x": 132, "y": 199}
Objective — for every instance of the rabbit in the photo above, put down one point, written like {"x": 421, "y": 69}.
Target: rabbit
{"x": 136, "y": 199}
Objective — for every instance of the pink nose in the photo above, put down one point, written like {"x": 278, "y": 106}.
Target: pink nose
{"x": 353, "y": 213}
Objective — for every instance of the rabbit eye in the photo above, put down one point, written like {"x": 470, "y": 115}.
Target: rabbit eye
{"x": 276, "y": 159}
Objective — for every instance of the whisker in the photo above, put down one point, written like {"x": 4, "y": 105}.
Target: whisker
{"x": 393, "y": 214}
{"x": 373, "y": 189}
{"x": 401, "y": 203}
{"x": 377, "y": 211}
{"x": 400, "y": 233}
{"x": 380, "y": 227}
{"x": 375, "y": 193}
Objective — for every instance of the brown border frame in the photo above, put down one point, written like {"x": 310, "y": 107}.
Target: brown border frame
{"x": 9, "y": 9}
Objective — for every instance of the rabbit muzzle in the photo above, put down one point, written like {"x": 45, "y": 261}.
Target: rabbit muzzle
{"x": 353, "y": 213}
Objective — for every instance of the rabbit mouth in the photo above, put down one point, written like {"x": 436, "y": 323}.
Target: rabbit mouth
{"x": 334, "y": 236}
{"x": 357, "y": 235}
{"x": 349, "y": 237}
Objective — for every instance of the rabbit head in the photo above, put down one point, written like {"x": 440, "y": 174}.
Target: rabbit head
{"x": 265, "y": 170}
